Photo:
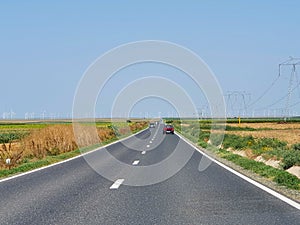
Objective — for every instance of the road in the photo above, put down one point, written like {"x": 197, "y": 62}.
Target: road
{"x": 73, "y": 193}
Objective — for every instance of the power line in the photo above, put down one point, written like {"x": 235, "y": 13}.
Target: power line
{"x": 291, "y": 88}
{"x": 280, "y": 99}
{"x": 265, "y": 92}
{"x": 292, "y": 62}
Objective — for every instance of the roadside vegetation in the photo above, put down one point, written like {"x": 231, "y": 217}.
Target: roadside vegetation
{"x": 28, "y": 146}
{"x": 267, "y": 156}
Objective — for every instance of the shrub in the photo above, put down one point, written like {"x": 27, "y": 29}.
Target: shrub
{"x": 287, "y": 179}
{"x": 269, "y": 143}
{"x": 280, "y": 176}
{"x": 231, "y": 128}
{"x": 202, "y": 144}
{"x": 290, "y": 158}
{"x": 11, "y": 136}
{"x": 237, "y": 142}
{"x": 296, "y": 147}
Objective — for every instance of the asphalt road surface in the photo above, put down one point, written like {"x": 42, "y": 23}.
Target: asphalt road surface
{"x": 73, "y": 193}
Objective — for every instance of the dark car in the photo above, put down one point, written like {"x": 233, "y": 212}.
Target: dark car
{"x": 168, "y": 129}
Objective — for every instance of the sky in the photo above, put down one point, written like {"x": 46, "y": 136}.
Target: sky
{"x": 46, "y": 47}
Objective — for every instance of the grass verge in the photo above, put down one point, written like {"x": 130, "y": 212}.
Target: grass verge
{"x": 279, "y": 176}
{"x": 51, "y": 159}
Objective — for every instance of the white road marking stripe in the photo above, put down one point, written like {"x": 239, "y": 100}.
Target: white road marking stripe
{"x": 117, "y": 184}
{"x": 255, "y": 183}
{"x": 143, "y": 152}
{"x": 148, "y": 146}
{"x": 150, "y": 142}
{"x": 135, "y": 162}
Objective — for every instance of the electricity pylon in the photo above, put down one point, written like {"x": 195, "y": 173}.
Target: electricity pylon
{"x": 292, "y": 62}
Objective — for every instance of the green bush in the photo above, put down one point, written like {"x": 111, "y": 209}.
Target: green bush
{"x": 287, "y": 179}
{"x": 194, "y": 131}
{"x": 279, "y": 176}
{"x": 269, "y": 144}
{"x": 296, "y": 147}
{"x": 205, "y": 126}
{"x": 216, "y": 139}
{"x": 277, "y": 154}
{"x": 259, "y": 146}
{"x": 290, "y": 158}
{"x": 231, "y": 128}
{"x": 11, "y": 136}
{"x": 237, "y": 142}
{"x": 202, "y": 144}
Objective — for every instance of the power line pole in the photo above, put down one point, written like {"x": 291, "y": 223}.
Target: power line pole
{"x": 237, "y": 103}
{"x": 292, "y": 62}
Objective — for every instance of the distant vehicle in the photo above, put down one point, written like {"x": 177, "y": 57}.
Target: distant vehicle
{"x": 168, "y": 129}
{"x": 152, "y": 125}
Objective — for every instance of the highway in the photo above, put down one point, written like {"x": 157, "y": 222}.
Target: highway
{"x": 73, "y": 193}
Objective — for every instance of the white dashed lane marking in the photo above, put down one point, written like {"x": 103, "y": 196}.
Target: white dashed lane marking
{"x": 143, "y": 152}
{"x": 135, "y": 162}
{"x": 117, "y": 184}
{"x": 148, "y": 146}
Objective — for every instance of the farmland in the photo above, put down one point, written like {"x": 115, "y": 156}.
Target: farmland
{"x": 26, "y": 146}
{"x": 268, "y": 148}
{"x": 286, "y": 132}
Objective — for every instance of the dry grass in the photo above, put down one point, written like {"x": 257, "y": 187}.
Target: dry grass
{"x": 11, "y": 152}
{"x": 289, "y": 136}
{"x": 58, "y": 139}
{"x": 288, "y": 132}
{"x": 137, "y": 126}
{"x": 279, "y": 126}
{"x": 51, "y": 140}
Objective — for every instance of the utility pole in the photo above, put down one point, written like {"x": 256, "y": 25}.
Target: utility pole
{"x": 292, "y": 62}
{"x": 237, "y": 103}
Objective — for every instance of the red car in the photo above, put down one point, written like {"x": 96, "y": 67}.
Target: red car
{"x": 168, "y": 129}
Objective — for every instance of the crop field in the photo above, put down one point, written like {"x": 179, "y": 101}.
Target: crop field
{"x": 287, "y": 132}
{"x": 24, "y": 146}
{"x": 270, "y": 148}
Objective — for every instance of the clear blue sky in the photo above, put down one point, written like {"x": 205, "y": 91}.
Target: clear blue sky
{"x": 46, "y": 47}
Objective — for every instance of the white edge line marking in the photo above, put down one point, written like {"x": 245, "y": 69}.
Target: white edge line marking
{"x": 143, "y": 152}
{"x": 257, "y": 184}
{"x": 117, "y": 184}
{"x": 135, "y": 162}
{"x": 67, "y": 160}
